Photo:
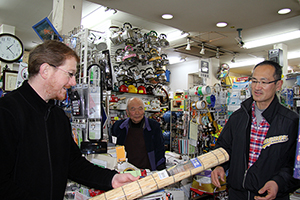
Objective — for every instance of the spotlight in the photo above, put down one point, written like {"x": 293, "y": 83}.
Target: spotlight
{"x": 239, "y": 39}
{"x": 202, "y": 50}
{"x": 188, "y": 46}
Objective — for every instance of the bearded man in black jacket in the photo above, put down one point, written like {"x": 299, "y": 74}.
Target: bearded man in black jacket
{"x": 37, "y": 151}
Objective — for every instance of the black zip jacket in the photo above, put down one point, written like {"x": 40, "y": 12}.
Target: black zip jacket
{"x": 276, "y": 160}
{"x": 154, "y": 140}
{"x": 37, "y": 151}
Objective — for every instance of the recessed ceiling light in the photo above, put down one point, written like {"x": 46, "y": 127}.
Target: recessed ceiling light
{"x": 221, "y": 24}
{"x": 167, "y": 16}
{"x": 284, "y": 11}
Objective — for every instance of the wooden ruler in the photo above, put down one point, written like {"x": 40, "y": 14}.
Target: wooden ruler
{"x": 164, "y": 178}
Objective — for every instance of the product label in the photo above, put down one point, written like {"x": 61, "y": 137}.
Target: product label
{"x": 196, "y": 162}
{"x": 114, "y": 139}
{"x": 162, "y": 174}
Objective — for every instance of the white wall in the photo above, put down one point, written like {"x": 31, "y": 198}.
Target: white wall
{"x": 213, "y": 69}
{"x": 180, "y": 73}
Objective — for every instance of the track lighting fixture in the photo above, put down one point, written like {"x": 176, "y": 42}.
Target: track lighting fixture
{"x": 111, "y": 9}
{"x": 233, "y": 59}
{"x": 218, "y": 53}
{"x": 239, "y": 39}
{"x": 202, "y": 50}
{"x": 188, "y": 46}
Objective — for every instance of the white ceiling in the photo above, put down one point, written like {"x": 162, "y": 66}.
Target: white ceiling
{"x": 257, "y": 18}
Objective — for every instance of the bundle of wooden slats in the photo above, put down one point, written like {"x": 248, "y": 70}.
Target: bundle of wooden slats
{"x": 164, "y": 178}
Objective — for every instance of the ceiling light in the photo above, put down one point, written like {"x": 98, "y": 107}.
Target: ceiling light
{"x": 202, "y": 50}
{"x": 188, "y": 46}
{"x": 272, "y": 40}
{"x": 97, "y": 16}
{"x": 167, "y": 16}
{"x": 293, "y": 54}
{"x": 221, "y": 24}
{"x": 250, "y": 62}
{"x": 284, "y": 11}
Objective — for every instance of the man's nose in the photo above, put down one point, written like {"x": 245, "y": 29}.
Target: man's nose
{"x": 72, "y": 81}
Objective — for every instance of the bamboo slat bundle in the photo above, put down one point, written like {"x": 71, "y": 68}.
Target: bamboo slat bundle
{"x": 164, "y": 178}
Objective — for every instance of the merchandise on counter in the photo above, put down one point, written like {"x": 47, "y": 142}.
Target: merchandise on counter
{"x": 164, "y": 178}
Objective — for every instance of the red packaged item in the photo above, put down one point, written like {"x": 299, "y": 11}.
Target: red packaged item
{"x": 94, "y": 192}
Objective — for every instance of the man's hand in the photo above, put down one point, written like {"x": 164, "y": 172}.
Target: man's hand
{"x": 271, "y": 188}
{"x": 122, "y": 179}
{"x": 217, "y": 173}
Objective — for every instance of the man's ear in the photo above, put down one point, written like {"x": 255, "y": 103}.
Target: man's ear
{"x": 44, "y": 70}
{"x": 279, "y": 85}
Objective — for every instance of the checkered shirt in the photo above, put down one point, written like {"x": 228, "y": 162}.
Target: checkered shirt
{"x": 257, "y": 137}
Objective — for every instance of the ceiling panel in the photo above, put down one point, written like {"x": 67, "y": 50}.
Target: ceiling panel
{"x": 257, "y": 19}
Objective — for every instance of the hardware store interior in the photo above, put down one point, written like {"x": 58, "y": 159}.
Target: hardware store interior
{"x": 191, "y": 71}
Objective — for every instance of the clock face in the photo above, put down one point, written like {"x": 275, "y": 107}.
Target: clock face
{"x": 11, "y": 48}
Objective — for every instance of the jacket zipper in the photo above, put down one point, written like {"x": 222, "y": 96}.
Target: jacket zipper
{"x": 246, "y": 171}
{"x": 49, "y": 154}
{"x": 245, "y": 174}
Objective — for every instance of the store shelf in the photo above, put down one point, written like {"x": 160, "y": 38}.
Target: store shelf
{"x": 145, "y": 110}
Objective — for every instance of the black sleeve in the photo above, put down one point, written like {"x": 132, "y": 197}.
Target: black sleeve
{"x": 86, "y": 173}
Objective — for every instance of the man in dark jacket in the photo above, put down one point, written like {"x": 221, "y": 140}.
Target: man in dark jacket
{"x": 260, "y": 138}
{"x": 142, "y": 137}
{"x": 37, "y": 151}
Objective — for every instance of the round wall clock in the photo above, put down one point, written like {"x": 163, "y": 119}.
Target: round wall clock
{"x": 11, "y": 48}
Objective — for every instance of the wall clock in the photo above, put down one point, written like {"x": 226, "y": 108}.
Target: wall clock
{"x": 11, "y": 48}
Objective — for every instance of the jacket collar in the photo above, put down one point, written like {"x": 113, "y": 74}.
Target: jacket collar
{"x": 125, "y": 124}
{"x": 269, "y": 113}
{"x": 32, "y": 98}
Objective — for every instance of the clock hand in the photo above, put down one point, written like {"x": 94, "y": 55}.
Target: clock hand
{"x": 9, "y": 46}
{"x": 11, "y": 52}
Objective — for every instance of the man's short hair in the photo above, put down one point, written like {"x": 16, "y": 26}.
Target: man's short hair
{"x": 134, "y": 98}
{"x": 278, "y": 68}
{"x": 52, "y": 52}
